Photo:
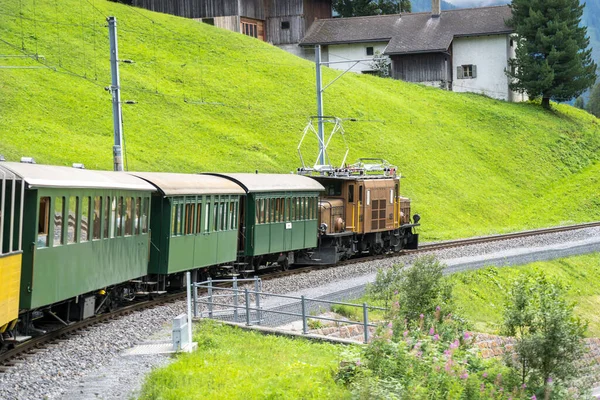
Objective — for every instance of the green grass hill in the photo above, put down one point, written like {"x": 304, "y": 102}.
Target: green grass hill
{"x": 211, "y": 100}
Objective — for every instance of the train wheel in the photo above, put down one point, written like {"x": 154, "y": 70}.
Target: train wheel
{"x": 285, "y": 265}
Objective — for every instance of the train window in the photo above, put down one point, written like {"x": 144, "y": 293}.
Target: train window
{"x": 189, "y": 217}
{"x": 223, "y": 216}
{"x": 215, "y": 224}
{"x": 85, "y": 219}
{"x": 391, "y": 196}
{"x": 43, "y": 222}
{"x": 257, "y": 211}
{"x": 267, "y": 211}
{"x": 287, "y": 209}
{"x": 360, "y": 194}
{"x": 71, "y": 222}
{"x": 127, "y": 216}
{"x": 119, "y": 217}
{"x": 206, "y": 217}
{"x": 97, "y": 217}
{"x": 107, "y": 219}
{"x": 59, "y": 214}
{"x": 145, "y": 214}
{"x": 264, "y": 210}
{"x": 198, "y": 217}
{"x": 293, "y": 209}
{"x": 137, "y": 221}
{"x": 368, "y": 197}
{"x": 350, "y": 193}
{"x": 174, "y": 218}
{"x": 232, "y": 215}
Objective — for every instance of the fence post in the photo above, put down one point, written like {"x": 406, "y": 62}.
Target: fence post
{"x": 256, "y": 291}
{"x": 189, "y": 306}
{"x": 366, "y": 322}
{"x": 235, "y": 300}
{"x": 304, "y": 323}
{"x": 247, "y": 295}
{"x": 210, "y": 298}
{"x": 195, "y": 292}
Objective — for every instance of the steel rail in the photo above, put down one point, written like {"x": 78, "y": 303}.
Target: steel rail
{"x": 31, "y": 345}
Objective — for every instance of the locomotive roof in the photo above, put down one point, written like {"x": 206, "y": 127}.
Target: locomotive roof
{"x": 261, "y": 183}
{"x": 38, "y": 175}
{"x": 174, "y": 184}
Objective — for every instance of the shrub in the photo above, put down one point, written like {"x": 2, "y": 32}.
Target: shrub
{"x": 549, "y": 336}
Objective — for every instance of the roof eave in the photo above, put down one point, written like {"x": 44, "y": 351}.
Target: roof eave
{"x": 346, "y": 42}
{"x": 506, "y": 32}
{"x": 401, "y": 53}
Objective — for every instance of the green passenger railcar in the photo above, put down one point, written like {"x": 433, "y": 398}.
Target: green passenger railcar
{"x": 195, "y": 221}
{"x": 280, "y": 215}
{"x": 82, "y": 231}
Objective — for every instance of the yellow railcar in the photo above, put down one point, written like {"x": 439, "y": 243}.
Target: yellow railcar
{"x": 11, "y": 228}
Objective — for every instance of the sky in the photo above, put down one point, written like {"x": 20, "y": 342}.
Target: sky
{"x": 476, "y": 3}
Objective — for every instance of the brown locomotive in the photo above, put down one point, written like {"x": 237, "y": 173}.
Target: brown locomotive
{"x": 361, "y": 212}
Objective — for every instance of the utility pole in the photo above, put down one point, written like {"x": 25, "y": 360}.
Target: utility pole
{"x": 115, "y": 91}
{"x": 320, "y": 105}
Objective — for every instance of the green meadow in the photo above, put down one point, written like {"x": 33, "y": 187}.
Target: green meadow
{"x": 212, "y": 100}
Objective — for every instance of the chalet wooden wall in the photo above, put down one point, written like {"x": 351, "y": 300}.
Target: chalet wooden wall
{"x": 254, "y": 9}
{"x": 192, "y": 8}
{"x": 300, "y": 14}
{"x": 316, "y": 9}
{"x": 422, "y": 67}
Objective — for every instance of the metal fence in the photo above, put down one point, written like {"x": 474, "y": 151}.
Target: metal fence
{"x": 242, "y": 302}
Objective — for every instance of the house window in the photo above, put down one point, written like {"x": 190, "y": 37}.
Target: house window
{"x": 209, "y": 21}
{"x": 468, "y": 71}
{"x": 512, "y": 43}
{"x": 370, "y": 51}
{"x": 250, "y": 29}
{"x": 285, "y": 24}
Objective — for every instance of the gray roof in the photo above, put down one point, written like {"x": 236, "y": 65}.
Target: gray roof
{"x": 38, "y": 175}
{"x": 172, "y": 184}
{"x": 351, "y": 30}
{"x": 259, "y": 183}
{"x": 413, "y": 33}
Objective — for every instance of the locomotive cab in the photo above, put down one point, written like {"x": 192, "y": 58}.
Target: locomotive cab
{"x": 362, "y": 212}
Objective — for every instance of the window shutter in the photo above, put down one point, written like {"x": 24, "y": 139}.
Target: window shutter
{"x": 459, "y": 72}
{"x": 474, "y": 71}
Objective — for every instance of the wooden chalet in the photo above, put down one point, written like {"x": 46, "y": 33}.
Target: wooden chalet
{"x": 280, "y": 22}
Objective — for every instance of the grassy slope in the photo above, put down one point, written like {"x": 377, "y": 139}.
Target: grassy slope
{"x": 481, "y": 294}
{"x": 224, "y": 367}
{"x": 473, "y": 165}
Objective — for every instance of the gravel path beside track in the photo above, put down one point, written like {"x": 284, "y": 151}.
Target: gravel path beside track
{"x": 91, "y": 365}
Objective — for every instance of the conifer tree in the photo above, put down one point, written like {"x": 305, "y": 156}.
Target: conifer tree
{"x": 553, "y": 59}
{"x": 593, "y": 105}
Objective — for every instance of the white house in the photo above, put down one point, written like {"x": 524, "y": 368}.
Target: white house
{"x": 464, "y": 50}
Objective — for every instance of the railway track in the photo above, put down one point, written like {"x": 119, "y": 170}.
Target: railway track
{"x": 12, "y": 356}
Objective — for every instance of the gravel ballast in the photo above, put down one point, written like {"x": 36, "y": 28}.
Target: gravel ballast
{"x": 91, "y": 365}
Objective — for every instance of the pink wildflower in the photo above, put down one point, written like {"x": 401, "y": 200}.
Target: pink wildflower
{"x": 421, "y": 316}
{"x": 390, "y": 325}
{"x": 437, "y": 308}
{"x": 431, "y": 331}
{"x": 464, "y": 375}
{"x": 454, "y": 344}
{"x": 523, "y": 386}
{"x": 467, "y": 335}
{"x": 405, "y": 334}
{"x": 549, "y": 379}
{"x": 358, "y": 363}
{"x": 485, "y": 374}
{"x": 533, "y": 397}
{"x": 436, "y": 337}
